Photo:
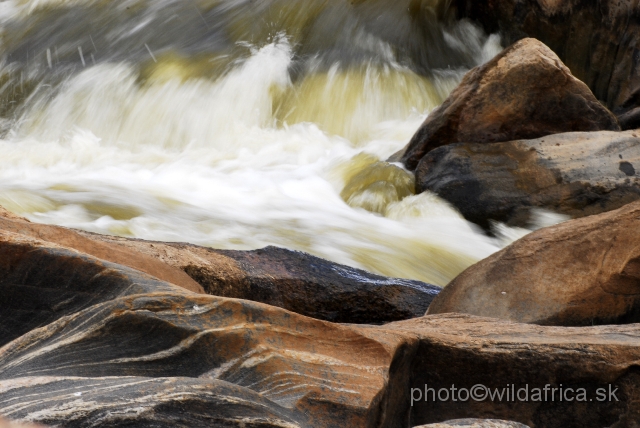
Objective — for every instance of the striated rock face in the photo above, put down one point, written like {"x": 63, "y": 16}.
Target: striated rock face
{"x": 475, "y": 423}
{"x": 598, "y": 40}
{"x": 289, "y": 279}
{"x": 525, "y": 92}
{"x": 576, "y": 174}
{"x": 581, "y": 272}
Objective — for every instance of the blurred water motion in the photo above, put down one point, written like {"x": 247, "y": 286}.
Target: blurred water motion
{"x": 236, "y": 124}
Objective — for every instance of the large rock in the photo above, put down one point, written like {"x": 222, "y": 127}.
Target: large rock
{"x": 289, "y": 279}
{"x": 581, "y": 272}
{"x": 292, "y": 280}
{"x": 524, "y": 92}
{"x": 463, "y": 351}
{"x": 598, "y": 40}
{"x": 576, "y": 174}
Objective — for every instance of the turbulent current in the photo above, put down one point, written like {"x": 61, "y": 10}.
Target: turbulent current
{"x": 237, "y": 124}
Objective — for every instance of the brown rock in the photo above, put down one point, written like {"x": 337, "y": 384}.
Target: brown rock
{"x": 113, "y": 253}
{"x": 292, "y": 280}
{"x": 289, "y": 279}
{"x": 463, "y": 351}
{"x": 525, "y": 92}
{"x": 575, "y": 174}
{"x": 475, "y": 423}
{"x": 8, "y": 424}
{"x": 581, "y": 272}
{"x": 598, "y": 40}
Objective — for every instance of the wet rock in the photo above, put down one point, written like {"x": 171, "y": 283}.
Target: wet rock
{"x": 475, "y": 423}
{"x": 598, "y": 40}
{"x": 524, "y": 92}
{"x": 295, "y": 281}
{"x": 289, "y": 279}
{"x": 576, "y": 174}
{"x": 581, "y": 272}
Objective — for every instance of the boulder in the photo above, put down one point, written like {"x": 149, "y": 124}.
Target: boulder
{"x": 524, "y": 92}
{"x": 475, "y": 423}
{"x": 598, "y": 40}
{"x": 289, "y": 279}
{"x": 581, "y": 272}
{"x": 596, "y": 367}
{"x": 293, "y": 280}
{"x": 575, "y": 174}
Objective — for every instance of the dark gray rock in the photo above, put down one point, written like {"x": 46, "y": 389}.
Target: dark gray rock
{"x": 576, "y": 174}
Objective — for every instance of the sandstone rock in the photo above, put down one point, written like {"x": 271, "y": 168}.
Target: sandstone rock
{"x": 464, "y": 351}
{"x": 524, "y": 92}
{"x": 581, "y": 272}
{"x": 475, "y": 423}
{"x": 289, "y": 279}
{"x": 8, "y": 424}
{"x": 598, "y": 40}
{"x": 293, "y": 280}
{"x": 114, "y": 253}
{"x": 576, "y": 174}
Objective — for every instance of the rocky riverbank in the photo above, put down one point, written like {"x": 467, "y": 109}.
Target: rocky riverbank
{"x": 105, "y": 331}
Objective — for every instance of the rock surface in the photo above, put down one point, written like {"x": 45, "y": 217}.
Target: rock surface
{"x": 293, "y": 280}
{"x": 88, "y": 342}
{"x": 289, "y": 279}
{"x": 580, "y": 272}
{"x": 598, "y": 40}
{"x": 576, "y": 174}
{"x": 524, "y": 92}
{"x": 475, "y": 423}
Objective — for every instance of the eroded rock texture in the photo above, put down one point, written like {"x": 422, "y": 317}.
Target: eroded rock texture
{"x": 580, "y": 272}
{"x": 524, "y": 92}
{"x": 576, "y": 174}
{"x": 598, "y": 40}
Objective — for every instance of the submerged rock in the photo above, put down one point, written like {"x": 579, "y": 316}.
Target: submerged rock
{"x": 575, "y": 174}
{"x": 524, "y": 92}
{"x": 581, "y": 272}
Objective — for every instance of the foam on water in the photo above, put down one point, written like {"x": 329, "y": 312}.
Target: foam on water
{"x": 250, "y": 158}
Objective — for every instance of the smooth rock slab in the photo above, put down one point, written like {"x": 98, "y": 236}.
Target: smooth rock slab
{"x": 576, "y": 174}
{"x": 581, "y": 272}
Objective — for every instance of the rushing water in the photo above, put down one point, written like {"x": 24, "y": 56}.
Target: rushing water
{"x": 236, "y": 124}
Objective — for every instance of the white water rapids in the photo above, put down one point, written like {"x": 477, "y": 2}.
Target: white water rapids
{"x": 256, "y": 155}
